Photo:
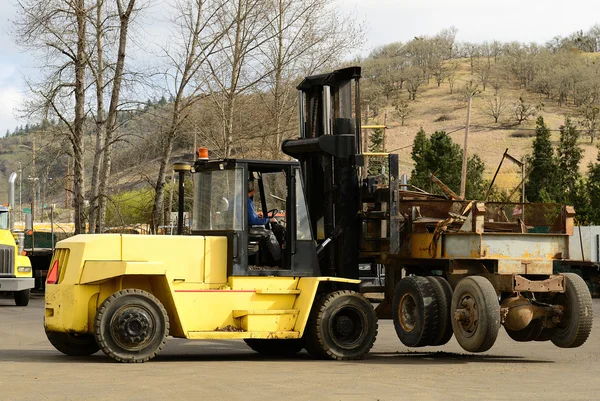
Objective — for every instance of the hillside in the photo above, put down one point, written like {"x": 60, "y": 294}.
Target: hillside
{"x": 136, "y": 164}
{"x": 486, "y": 138}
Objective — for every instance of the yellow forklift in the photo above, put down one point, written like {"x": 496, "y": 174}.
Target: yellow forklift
{"x": 124, "y": 294}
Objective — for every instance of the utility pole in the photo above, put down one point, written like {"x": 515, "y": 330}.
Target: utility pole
{"x": 20, "y": 185}
{"x": 463, "y": 179}
{"x": 33, "y": 180}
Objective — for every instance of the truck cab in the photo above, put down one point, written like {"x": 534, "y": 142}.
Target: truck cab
{"x": 15, "y": 269}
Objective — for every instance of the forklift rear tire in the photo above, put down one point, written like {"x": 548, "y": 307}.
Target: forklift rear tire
{"x": 131, "y": 326}
{"x": 415, "y": 311}
{"x": 73, "y": 345}
{"x": 342, "y": 326}
{"x": 443, "y": 295}
{"x": 576, "y": 323}
{"x": 276, "y": 348}
{"x": 22, "y": 297}
{"x": 476, "y": 314}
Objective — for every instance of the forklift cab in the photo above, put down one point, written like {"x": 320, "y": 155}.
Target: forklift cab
{"x": 221, "y": 209}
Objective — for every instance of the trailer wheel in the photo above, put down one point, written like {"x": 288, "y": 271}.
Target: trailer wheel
{"x": 529, "y": 333}
{"x": 131, "y": 326}
{"x": 443, "y": 296}
{"x": 276, "y": 348}
{"x": 476, "y": 314}
{"x": 415, "y": 311}
{"x": 576, "y": 323}
{"x": 342, "y": 326}
{"x": 22, "y": 297}
{"x": 73, "y": 345}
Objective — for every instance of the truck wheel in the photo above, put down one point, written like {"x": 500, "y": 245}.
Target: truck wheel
{"x": 131, "y": 326}
{"x": 443, "y": 296}
{"x": 73, "y": 345}
{"x": 415, "y": 311}
{"x": 529, "y": 333}
{"x": 342, "y": 325}
{"x": 576, "y": 323}
{"x": 22, "y": 297}
{"x": 476, "y": 314}
{"x": 276, "y": 348}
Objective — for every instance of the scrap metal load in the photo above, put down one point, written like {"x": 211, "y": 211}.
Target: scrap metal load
{"x": 483, "y": 264}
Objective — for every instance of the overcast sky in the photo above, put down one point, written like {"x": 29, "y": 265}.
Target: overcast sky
{"x": 385, "y": 21}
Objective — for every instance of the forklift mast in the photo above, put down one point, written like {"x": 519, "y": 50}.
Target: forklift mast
{"x": 329, "y": 108}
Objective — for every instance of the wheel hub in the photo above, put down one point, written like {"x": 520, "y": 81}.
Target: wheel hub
{"x": 347, "y": 327}
{"x": 467, "y": 315}
{"x": 407, "y": 313}
{"x": 132, "y": 327}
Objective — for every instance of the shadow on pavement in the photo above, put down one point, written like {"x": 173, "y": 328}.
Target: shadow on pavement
{"x": 230, "y": 354}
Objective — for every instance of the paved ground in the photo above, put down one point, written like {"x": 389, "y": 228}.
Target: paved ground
{"x": 30, "y": 369}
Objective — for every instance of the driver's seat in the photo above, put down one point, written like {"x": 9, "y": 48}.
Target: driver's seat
{"x": 267, "y": 243}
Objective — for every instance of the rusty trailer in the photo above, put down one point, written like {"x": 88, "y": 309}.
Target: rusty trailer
{"x": 467, "y": 267}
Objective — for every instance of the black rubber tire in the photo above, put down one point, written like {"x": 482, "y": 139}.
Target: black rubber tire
{"x": 73, "y": 345}
{"x": 22, "y": 297}
{"x": 483, "y": 336}
{"x": 443, "y": 296}
{"x": 125, "y": 305}
{"x": 415, "y": 326}
{"x": 576, "y": 322}
{"x": 529, "y": 333}
{"x": 276, "y": 348}
{"x": 329, "y": 312}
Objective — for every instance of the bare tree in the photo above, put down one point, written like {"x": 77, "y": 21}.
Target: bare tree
{"x": 453, "y": 67}
{"x": 194, "y": 22}
{"x": 589, "y": 118}
{"x": 56, "y": 31}
{"x": 125, "y": 10}
{"x": 524, "y": 110}
{"x": 402, "y": 108}
{"x": 303, "y": 36}
{"x": 496, "y": 107}
{"x": 235, "y": 69}
{"x": 414, "y": 79}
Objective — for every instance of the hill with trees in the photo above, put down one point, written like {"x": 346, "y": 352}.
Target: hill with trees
{"x": 103, "y": 130}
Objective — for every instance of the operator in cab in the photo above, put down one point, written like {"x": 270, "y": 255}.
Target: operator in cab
{"x": 257, "y": 227}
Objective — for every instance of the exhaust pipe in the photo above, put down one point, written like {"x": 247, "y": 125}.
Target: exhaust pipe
{"x": 11, "y": 196}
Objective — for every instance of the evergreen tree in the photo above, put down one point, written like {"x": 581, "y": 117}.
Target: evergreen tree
{"x": 476, "y": 186}
{"x": 419, "y": 175}
{"x": 440, "y": 155}
{"x": 569, "y": 156}
{"x": 593, "y": 191}
{"x": 543, "y": 181}
{"x": 376, "y": 164}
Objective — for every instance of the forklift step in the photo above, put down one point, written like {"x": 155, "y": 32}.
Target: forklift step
{"x": 267, "y": 319}
{"x": 242, "y": 313}
{"x": 277, "y": 292}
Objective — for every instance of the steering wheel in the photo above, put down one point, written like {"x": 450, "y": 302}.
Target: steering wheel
{"x": 270, "y": 215}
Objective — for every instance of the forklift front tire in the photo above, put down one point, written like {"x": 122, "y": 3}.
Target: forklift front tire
{"x": 342, "y": 326}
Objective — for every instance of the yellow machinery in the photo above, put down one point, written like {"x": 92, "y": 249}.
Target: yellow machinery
{"x": 124, "y": 294}
{"x": 15, "y": 269}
